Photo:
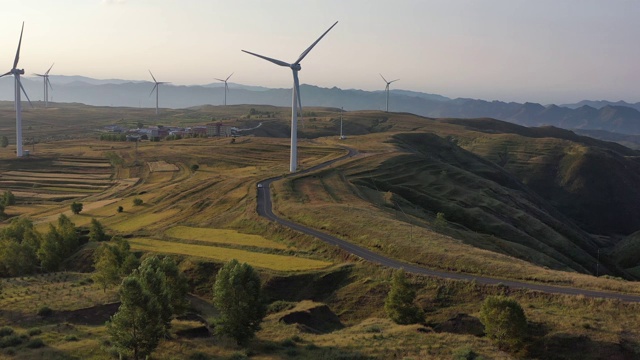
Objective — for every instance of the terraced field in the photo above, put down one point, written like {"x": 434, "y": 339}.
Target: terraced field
{"x": 66, "y": 178}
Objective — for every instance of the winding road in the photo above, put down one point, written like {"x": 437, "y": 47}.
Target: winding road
{"x": 265, "y": 209}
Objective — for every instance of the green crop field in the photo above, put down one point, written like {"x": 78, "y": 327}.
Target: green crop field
{"x": 266, "y": 261}
{"x": 222, "y": 236}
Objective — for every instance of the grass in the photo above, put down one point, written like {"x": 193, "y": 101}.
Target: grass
{"x": 222, "y": 236}
{"x": 137, "y": 222}
{"x": 260, "y": 260}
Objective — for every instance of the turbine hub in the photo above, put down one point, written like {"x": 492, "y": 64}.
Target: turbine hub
{"x": 17, "y": 71}
{"x": 296, "y": 67}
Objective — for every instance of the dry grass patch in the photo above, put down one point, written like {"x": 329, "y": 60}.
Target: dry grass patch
{"x": 162, "y": 166}
{"x": 266, "y": 261}
{"x": 222, "y": 236}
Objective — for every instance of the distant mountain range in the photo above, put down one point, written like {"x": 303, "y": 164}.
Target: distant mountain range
{"x": 603, "y": 116}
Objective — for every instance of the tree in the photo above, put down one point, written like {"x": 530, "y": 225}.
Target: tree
{"x": 96, "y": 231}
{"x": 76, "y": 207}
{"x": 4, "y": 142}
{"x": 8, "y": 198}
{"x": 136, "y": 328}
{"x": 2, "y": 213}
{"x": 153, "y": 280}
{"x": 238, "y": 298}
{"x": 120, "y": 209}
{"x": 139, "y": 124}
{"x": 195, "y": 167}
{"x": 137, "y": 202}
{"x": 399, "y": 302}
{"x": 19, "y": 242}
{"x": 50, "y": 251}
{"x": 113, "y": 261}
{"x": 504, "y": 321}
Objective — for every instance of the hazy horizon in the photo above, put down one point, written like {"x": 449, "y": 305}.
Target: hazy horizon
{"x": 509, "y": 50}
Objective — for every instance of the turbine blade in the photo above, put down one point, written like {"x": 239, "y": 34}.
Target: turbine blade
{"x": 37, "y": 74}
{"x": 228, "y": 77}
{"x": 154, "y": 79}
{"x": 385, "y": 80}
{"x": 24, "y": 92}
{"x": 49, "y": 83}
{"x": 275, "y": 61}
{"x": 392, "y": 81}
{"x": 314, "y": 44}
{"x": 219, "y": 79}
{"x": 15, "y": 62}
{"x": 154, "y": 89}
{"x": 9, "y": 73}
{"x": 47, "y": 73}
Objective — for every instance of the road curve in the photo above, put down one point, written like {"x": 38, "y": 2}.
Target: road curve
{"x": 265, "y": 209}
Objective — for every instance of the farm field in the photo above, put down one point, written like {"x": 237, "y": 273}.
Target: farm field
{"x": 222, "y": 236}
{"x": 257, "y": 259}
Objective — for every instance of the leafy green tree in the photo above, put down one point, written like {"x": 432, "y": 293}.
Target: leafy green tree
{"x": 238, "y": 298}
{"x": 3, "y": 215}
{"x": 19, "y": 242}
{"x": 113, "y": 261}
{"x": 96, "y": 231}
{"x": 107, "y": 269}
{"x": 504, "y": 321}
{"x": 8, "y": 198}
{"x": 70, "y": 240}
{"x": 50, "y": 253}
{"x": 153, "y": 280}
{"x": 136, "y": 329}
{"x": 76, "y": 207}
{"x": 4, "y": 142}
{"x": 399, "y": 303}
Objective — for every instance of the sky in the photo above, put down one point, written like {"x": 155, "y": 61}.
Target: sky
{"x": 546, "y": 51}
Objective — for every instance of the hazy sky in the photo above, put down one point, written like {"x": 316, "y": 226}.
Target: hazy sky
{"x": 514, "y": 50}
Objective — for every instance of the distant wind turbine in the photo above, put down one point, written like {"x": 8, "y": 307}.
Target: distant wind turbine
{"x": 18, "y": 87}
{"x": 156, "y": 88}
{"x": 226, "y": 87}
{"x": 387, "y": 88}
{"x": 47, "y": 85}
{"x": 296, "y": 102}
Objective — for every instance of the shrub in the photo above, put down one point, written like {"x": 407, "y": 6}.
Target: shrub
{"x": 280, "y": 305}
{"x": 6, "y": 330}
{"x": 45, "y": 311}
{"x": 34, "y": 332}
{"x": 504, "y": 321}
{"x": 137, "y": 202}
{"x": 70, "y": 338}
{"x": 195, "y": 167}
{"x": 35, "y": 343}
{"x": 120, "y": 209}
{"x": 11, "y": 340}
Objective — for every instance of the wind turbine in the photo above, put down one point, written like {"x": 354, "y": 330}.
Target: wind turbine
{"x": 296, "y": 102}
{"x": 156, "y": 88}
{"x": 45, "y": 77}
{"x": 226, "y": 87}
{"x": 387, "y": 88}
{"x": 18, "y": 86}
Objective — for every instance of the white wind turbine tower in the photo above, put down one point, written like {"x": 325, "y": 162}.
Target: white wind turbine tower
{"x": 156, "y": 88}
{"x": 18, "y": 87}
{"x": 296, "y": 102}
{"x": 387, "y": 88}
{"x": 47, "y": 85}
{"x": 226, "y": 87}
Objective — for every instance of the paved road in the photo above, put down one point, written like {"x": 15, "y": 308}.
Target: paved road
{"x": 265, "y": 209}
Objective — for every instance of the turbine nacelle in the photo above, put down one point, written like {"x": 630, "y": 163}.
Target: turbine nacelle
{"x": 17, "y": 71}
{"x": 295, "y": 67}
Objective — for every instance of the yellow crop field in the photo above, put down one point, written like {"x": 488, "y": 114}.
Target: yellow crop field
{"x": 137, "y": 222}
{"x": 162, "y": 166}
{"x": 222, "y": 236}
{"x": 266, "y": 261}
